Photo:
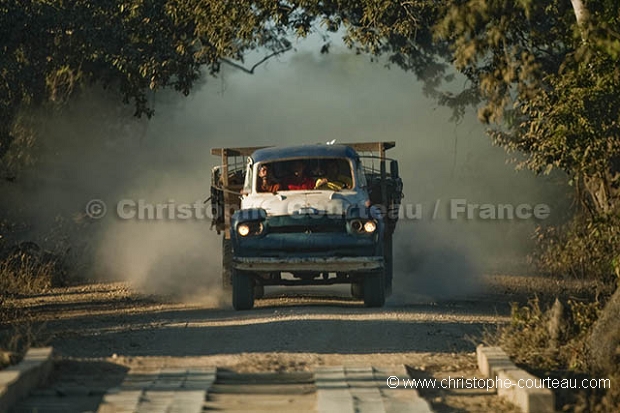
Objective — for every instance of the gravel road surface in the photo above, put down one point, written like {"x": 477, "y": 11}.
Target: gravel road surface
{"x": 103, "y": 331}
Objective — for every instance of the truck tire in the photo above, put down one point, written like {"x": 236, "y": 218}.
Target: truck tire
{"x": 357, "y": 290}
{"x": 242, "y": 290}
{"x": 388, "y": 258}
{"x": 374, "y": 289}
{"x": 227, "y": 255}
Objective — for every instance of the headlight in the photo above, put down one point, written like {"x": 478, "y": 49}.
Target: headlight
{"x": 357, "y": 225}
{"x": 360, "y": 227}
{"x": 250, "y": 228}
{"x": 243, "y": 230}
{"x": 370, "y": 226}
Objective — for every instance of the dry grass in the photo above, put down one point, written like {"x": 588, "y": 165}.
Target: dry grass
{"x": 577, "y": 336}
{"x": 556, "y": 341}
{"x": 22, "y": 273}
{"x": 548, "y": 338}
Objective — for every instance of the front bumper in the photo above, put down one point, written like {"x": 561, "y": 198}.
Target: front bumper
{"x": 311, "y": 264}
{"x": 313, "y": 245}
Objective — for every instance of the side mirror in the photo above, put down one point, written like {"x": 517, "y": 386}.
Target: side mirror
{"x": 394, "y": 169}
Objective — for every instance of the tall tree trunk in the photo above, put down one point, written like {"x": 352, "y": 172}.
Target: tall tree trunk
{"x": 581, "y": 13}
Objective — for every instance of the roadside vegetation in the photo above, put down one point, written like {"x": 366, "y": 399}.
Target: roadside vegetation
{"x": 25, "y": 269}
{"x": 577, "y": 336}
{"x": 573, "y": 338}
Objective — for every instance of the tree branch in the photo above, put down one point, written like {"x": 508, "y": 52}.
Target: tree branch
{"x": 260, "y": 62}
{"x": 581, "y": 13}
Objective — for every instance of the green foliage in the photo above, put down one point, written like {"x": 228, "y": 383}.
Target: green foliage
{"x": 581, "y": 319}
{"x": 583, "y": 316}
{"x": 49, "y": 49}
{"x": 527, "y": 62}
{"x": 547, "y": 86}
{"x": 584, "y": 248}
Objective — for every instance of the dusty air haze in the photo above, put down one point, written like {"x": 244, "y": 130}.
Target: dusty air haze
{"x": 95, "y": 149}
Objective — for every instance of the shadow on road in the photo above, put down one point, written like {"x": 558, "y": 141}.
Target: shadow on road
{"x": 316, "y": 321}
{"x": 320, "y": 325}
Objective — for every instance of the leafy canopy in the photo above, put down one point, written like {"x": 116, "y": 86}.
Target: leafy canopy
{"x": 546, "y": 84}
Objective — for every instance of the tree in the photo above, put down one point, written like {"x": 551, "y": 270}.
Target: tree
{"x": 49, "y": 49}
{"x": 548, "y": 77}
{"x": 543, "y": 74}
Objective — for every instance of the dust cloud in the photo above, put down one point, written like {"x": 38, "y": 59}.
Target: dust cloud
{"x": 94, "y": 149}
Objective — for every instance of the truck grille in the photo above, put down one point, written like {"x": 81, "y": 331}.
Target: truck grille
{"x": 292, "y": 229}
{"x": 308, "y": 225}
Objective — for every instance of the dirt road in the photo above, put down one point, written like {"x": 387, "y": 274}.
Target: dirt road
{"x": 102, "y": 331}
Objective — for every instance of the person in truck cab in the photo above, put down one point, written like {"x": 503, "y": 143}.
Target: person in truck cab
{"x": 333, "y": 179}
{"x": 299, "y": 180}
{"x": 266, "y": 183}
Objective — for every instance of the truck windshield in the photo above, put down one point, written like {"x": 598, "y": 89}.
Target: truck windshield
{"x": 329, "y": 174}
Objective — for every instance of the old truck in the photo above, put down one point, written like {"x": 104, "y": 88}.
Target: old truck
{"x": 335, "y": 228}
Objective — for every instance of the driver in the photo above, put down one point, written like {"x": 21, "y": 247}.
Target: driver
{"x": 333, "y": 179}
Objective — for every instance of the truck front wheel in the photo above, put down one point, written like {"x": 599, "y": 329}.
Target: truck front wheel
{"x": 242, "y": 290}
{"x": 374, "y": 289}
{"x": 227, "y": 255}
{"x": 388, "y": 258}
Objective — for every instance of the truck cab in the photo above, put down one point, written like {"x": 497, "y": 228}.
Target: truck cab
{"x": 308, "y": 215}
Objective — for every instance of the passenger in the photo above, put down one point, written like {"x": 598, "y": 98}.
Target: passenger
{"x": 265, "y": 181}
{"x": 299, "y": 180}
{"x": 334, "y": 180}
